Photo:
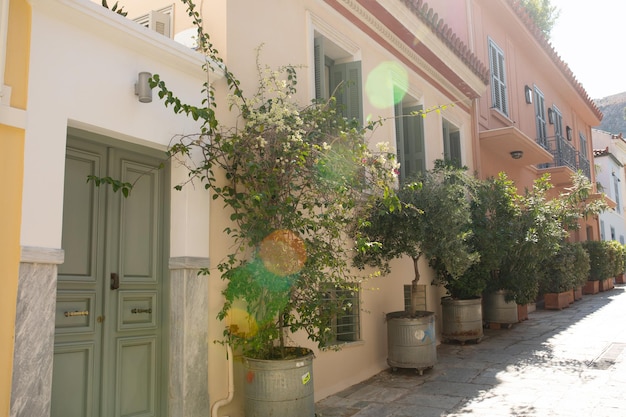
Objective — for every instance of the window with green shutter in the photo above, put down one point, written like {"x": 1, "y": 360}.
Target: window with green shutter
{"x": 343, "y": 80}
{"x": 410, "y": 140}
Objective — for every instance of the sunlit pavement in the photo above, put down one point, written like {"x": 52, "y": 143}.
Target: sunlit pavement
{"x": 558, "y": 363}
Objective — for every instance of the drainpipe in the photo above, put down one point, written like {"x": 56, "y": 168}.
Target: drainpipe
{"x": 4, "y": 22}
{"x": 231, "y": 385}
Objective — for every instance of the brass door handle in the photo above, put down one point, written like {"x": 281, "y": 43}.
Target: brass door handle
{"x": 141, "y": 310}
{"x": 76, "y": 313}
{"x": 115, "y": 281}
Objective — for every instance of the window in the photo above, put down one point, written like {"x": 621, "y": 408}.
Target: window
{"x": 612, "y": 233}
{"x": 345, "y": 323}
{"x": 452, "y": 144}
{"x": 558, "y": 123}
{"x": 583, "y": 145}
{"x": 410, "y": 139}
{"x": 540, "y": 117}
{"x": 616, "y": 196}
{"x": 498, "y": 78}
{"x": 336, "y": 74}
{"x": 621, "y": 239}
{"x": 602, "y": 236}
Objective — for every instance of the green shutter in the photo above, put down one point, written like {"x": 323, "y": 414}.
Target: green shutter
{"x": 346, "y": 82}
{"x": 318, "y": 56}
{"x": 455, "y": 148}
{"x": 414, "y": 153}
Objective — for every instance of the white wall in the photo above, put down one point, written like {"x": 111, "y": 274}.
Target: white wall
{"x": 84, "y": 64}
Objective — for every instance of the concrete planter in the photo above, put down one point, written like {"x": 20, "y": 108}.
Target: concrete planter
{"x": 411, "y": 341}
{"x": 462, "y": 320}
{"x": 279, "y": 388}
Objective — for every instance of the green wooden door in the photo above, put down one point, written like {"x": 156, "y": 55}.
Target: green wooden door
{"x": 109, "y": 336}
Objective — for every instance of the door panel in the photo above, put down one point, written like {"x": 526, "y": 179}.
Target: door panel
{"x": 74, "y": 361}
{"x": 136, "y": 387}
{"x": 108, "y": 342}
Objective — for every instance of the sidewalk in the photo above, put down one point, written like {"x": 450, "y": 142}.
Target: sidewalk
{"x": 565, "y": 363}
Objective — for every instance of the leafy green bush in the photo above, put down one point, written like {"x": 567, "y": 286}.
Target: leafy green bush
{"x": 600, "y": 264}
{"x": 566, "y": 269}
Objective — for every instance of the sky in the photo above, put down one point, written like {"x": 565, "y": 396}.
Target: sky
{"x": 590, "y": 37}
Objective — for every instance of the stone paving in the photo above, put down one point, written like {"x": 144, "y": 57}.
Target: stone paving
{"x": 566, "y": 363}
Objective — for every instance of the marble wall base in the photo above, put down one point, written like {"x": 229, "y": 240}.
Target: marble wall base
{"x": 189, "y": 323}
{"x": 34, "y": 332}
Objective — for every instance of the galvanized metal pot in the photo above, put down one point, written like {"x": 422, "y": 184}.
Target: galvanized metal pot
{"x": 462, "y": 320}
{"x": 279, "y": 388}
{"x": 411, "y": 340}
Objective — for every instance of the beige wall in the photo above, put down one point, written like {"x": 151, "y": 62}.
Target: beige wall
{"x": 286, "y": 29}
{"x": 11, "y": 177}
{"x": 246, "y": 29}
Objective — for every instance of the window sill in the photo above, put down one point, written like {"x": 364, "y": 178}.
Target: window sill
{"x": 501, "y": 117}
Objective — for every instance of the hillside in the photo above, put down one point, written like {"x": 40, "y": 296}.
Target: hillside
{"x": 613, "y": 108}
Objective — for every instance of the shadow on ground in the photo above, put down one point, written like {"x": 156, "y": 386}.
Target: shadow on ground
{"x": 467, "y": 375}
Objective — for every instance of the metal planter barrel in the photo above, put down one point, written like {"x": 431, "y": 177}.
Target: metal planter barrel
{"x": 497, "y": 310}
{"x": 411, "y": 340}
{"x": 279, "y": 388}
{"x": 462, "y": 320}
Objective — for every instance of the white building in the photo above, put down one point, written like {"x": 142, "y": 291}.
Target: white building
{"x": 610, "y": 156}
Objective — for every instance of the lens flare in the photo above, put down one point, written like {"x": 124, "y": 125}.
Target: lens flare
{"x": 388, "y": 76}
{"x": 283, "y": 253}
{"x": 241, "y": 324}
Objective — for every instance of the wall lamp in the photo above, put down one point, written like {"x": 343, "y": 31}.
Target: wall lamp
{"x": 568, "y": 133}
{"x": 550, "y": 115}
{"x": 528, "y": 94}
{"x": 142, "y": 87}
{"x": 517, "y": 154}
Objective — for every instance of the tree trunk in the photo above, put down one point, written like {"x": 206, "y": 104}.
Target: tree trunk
{"x": 414, "y": 286}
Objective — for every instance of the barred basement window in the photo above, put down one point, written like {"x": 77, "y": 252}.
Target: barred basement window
{"x": 345, "y": 323}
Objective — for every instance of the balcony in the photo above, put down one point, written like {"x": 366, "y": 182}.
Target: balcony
{"x": 502, "y": 142}
{"x": 566, "y": 160}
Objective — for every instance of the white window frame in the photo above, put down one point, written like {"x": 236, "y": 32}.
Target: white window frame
{"x": 497, "y": 66}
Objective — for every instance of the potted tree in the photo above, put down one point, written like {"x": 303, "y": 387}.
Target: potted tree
{"x": 561, "y": 273}
{"x": 600, "y": 265}
{"x": 619, "y": 278}
{"x": 294, "y": 178}
{"x": 615, "y": 250}
{"x": 431, "y": 223}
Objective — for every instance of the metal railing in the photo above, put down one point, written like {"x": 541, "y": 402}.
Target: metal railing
{"x": 564, "y": 154}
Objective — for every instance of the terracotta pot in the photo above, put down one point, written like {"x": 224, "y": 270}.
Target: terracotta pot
{"x": 557, "y": 301}
{"x": 620, "y": 279}
{"x": 578, "y": 293}
{"x": 591, "y": 287}
{"x": 522, "y": 312}
{"x": 606, "y": 284}
{"x": 570, "y": 296}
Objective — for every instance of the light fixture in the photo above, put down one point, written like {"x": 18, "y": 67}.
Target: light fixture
{"x": 568, "y": 133}
{"x": 550, "y": 115}
{"x": 517, "y": 154}
{"x": 528, "y": 94}
{"x": 142, "y": 87}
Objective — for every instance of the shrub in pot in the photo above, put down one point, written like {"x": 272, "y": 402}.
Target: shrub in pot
{"x": 600, "y": 267}
{"x": 562, "y": 272}
{"x": 431, "y": 223}
{"x": 295, "y": 179}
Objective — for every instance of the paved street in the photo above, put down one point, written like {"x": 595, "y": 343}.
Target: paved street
{"x": 558, "y": 363}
